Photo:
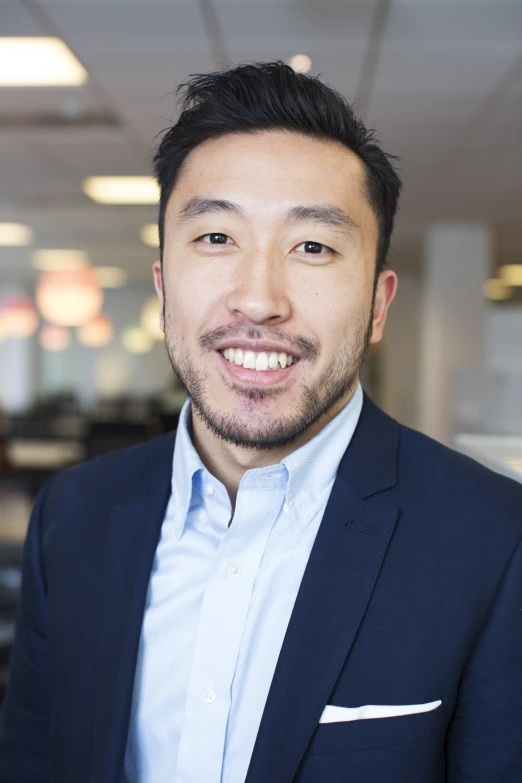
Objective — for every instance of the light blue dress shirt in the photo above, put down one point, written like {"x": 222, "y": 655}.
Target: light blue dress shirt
{"x": 218, "y": 606}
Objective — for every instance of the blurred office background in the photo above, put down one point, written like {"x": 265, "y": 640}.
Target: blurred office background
{"x": 86, "y": 86}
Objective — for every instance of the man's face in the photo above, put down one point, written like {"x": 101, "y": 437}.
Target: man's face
{"x": 270, "y": 249}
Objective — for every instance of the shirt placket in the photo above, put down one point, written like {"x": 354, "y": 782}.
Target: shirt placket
{"x": 222, "y": 619}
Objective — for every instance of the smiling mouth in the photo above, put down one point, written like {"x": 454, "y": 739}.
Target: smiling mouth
{"x": 262, "y": 361}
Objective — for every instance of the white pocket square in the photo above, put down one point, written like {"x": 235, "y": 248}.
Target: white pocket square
{"x": 333, "y": 714}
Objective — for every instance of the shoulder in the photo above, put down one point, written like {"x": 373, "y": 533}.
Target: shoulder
{"x": 119, "y": 473}
{"x": 448, "y": 479}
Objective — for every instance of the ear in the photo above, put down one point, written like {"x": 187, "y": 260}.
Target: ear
{"x": 384, "y": 296}
{"x": 157, "y": 276}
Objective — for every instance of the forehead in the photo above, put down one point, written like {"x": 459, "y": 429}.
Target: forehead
{"x": 270, "y": 169}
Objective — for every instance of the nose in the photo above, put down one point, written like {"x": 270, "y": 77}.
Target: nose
{"x": 260, "y": 291}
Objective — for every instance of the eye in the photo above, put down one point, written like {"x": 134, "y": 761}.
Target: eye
{"x": 214, "y": 239}
{"x": 314, "y": 248}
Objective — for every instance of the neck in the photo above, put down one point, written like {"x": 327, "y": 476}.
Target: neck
{"x": 228, "y": 463}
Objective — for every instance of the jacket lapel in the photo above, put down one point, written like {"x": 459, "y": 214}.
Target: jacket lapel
{"x": 131, "y": 536}
{"x": 337, "y": 585}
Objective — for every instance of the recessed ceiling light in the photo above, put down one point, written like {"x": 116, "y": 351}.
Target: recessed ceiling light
{"x": 496, "y": 290}
{"x": 15, "y": 234}
{"x": 122, "y": 190}
{"x": 57, "y": 259}
{"x": 149, "y": 235}
{"x": 511, "y": 274}
{"x": 38, "y": 62}
{"x": 300, "y": 63}
{"x": 110, "y": 276}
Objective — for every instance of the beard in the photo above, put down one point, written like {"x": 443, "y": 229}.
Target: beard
{"x": 248, "y": 427}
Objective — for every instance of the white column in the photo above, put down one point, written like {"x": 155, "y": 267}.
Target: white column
{"x": 457, "y": 262}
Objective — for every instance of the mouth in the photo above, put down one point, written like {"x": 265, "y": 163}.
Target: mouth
{"x": 261, "y": 368}
{"x": 261, "y": 361}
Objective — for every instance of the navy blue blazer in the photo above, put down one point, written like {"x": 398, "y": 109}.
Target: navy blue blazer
{"x": 412, "y": 593}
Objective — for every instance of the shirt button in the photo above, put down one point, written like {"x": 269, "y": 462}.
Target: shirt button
{"x": 201, "y": 515}
{"x": 209, "y": 489}
{"x": 234, "y": 569}
{"x": 286, "y": 508}
{"x": 209, "y": 695}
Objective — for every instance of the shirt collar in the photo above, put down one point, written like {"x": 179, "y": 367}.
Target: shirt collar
{"x": 319, "y": 457}
{"x": 185, "y": 464}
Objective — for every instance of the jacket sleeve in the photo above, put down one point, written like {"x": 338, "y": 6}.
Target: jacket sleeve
{"x": 485, "y": 735}
{"x": 25, "y": 719}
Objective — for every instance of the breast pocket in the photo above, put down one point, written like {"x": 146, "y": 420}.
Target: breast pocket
{"x": 378, "y": 732}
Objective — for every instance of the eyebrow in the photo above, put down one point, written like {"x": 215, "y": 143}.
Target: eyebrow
{"x": 324, "y": 214}
{"x": 199, "y": 205}
{"x": 327, "y": 215}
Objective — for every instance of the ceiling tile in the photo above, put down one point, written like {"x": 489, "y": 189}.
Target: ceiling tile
{"x": 139, "y": 27}
{"x": 442, "y": 67}
{"x": 16, "y": 20}
{"x": 307, "y": 23}
{"x": 496, "y": 20}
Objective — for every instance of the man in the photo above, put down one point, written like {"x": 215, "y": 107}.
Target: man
{"x": 292, "y": 587}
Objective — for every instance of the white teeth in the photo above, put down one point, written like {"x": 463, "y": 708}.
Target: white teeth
{"x": 249, "y": 360}
{"x": 262, "y": 361}
{"x": 272, "y": 361}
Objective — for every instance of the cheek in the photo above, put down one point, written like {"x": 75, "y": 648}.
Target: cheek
{"x": 191, "y": 300}
{"x": 333, "y": 305}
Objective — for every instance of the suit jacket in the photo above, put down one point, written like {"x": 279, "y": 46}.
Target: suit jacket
{"x": 412, "y": 594}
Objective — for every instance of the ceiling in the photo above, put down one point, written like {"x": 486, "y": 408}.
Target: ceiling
{"x": 441, "y": 80}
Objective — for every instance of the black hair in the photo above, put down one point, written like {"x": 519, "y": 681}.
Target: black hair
{"x": 271, "y": 96}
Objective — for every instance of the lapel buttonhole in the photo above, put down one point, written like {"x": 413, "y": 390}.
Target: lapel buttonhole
{"x": 350, "y": 524}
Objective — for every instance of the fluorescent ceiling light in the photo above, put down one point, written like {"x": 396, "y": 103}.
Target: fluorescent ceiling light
{"x": 53, "y": 260}
{"x": 110, "y": 276}
{"x": 511, "y": 274}
{"x": 122, "y": 190}
{"x": 15, "y": 234}
{"x": 300, "y": 63}
{"x": 149, "y": 235}
{"x": 38, "y": 62}
{"x": 496, "y": 289}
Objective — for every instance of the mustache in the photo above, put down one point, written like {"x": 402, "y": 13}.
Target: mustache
{"x": 306, "y": 348}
